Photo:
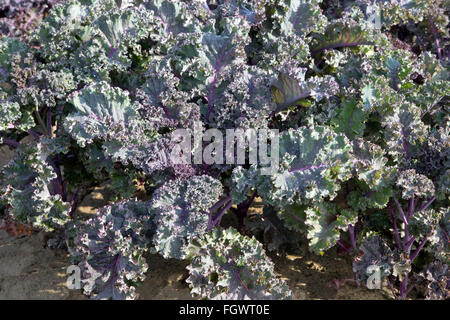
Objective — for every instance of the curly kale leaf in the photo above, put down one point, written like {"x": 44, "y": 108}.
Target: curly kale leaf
{"x": 10, "y": 47}
{"x": 9, "y": 115}
{"x": 182, "y": 213}
{"x": 350, "y": 120}
{"x": 110, "y": 249}
{"x": 370, "y": 165}
{"x": 20, "y": 17}
{"x": 404, "y": 132}
{"x": 221, "y": 55}
{"x": 376, "y": 254}
{"x": 254, "y": 11}
{"x": 291, "y": 88}
{"x": 340, "y": 35}
{"x": 437, "y": 276}
{"x": 227, "y": 265}
{"x": 294, "y": 217}
{"x": 364, "y": 198}
{"x": 93, "y": 39}
{"x": 28, "y": 191}
{"x": 314, "y": 160}
{"x": 175, "y": 16}
{"x": 106, "y": 114}
{"x": 163, "y": 104}
{"x": 440, "y": 239}
{"x": 433, "y": 160}
{"x": 302, "y": 17}
{"x": 100, "y": 108}
{"x": 425, "y": 223}
{"x": 15, "y": 60}
{"x": 414, "y": 185}
{"x": 325, "y": 222}
{"x": 246, "y": 102}
{"x": 46, "y": 88}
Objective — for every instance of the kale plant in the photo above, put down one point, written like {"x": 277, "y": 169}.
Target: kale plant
{"x": 349, "y": 97}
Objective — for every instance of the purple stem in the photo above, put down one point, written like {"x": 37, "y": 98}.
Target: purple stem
{"x": 112, "y": 52}
{"x": 406, "y": 239}
{"x": 49, "y": 122}
{"x": 165, "y": 24}
{"x": 219, "y": 216}
{"x": 184, "y": 215}
{"x": 236, "y": 273}
{"x": 11, "y": 143}
{"x": 31, "y": 19}
{"x": 399, "y": 208}
{"x": 73, "y": 199}
{"x": 426, "y": 205}
{"x": 61, "y": 184}
{"x": 347, "y": 250}
{"x": 395, "y": 81}
{"x": 166, "y": 112}
{"x": 394, "y": 222}
{"x": 403, "y": 287}
{"x": 408, "y": 245}
{"x": 60, "y": 113}
{"x": 446, "y": 236}
{"x": 114, "y": 273}
{"x": 219, "y": 203}
{"x": 436, "y": 39}
{"x": 242, "y": 209}
{"x": 378, "y": 112}
{"x": 414, "y": 255}
{"x": 392, "y": 289}
{"x": 56, "y": 186}
{"x": 34, "y": 134}
{"x": 215, "y": 220}
{"x": 411, "y": 208}
{"x": 3, "y": 72}
{"x": 416, "y": 201}
{"x": 212, "y": 83}
{"x": 351, "y": 231}
{"x": 64, "y": 190}
{"x": 42, "y": 124}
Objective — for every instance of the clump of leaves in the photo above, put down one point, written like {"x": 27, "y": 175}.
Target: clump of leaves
{"x": 225, "y": 264}
{"x": 356, "y": 109}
